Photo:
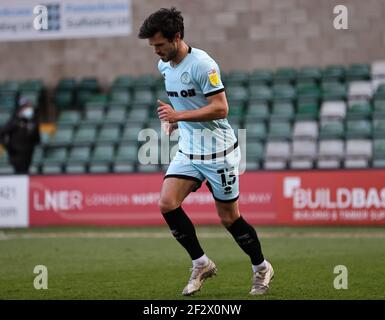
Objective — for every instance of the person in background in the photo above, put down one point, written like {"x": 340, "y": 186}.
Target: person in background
{"x": 20, "y": 135}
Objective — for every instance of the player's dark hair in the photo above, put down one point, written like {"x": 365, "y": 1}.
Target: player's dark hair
{"x": 167, "y": 21}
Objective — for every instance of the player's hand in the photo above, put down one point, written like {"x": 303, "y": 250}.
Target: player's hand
{"x": 166, "y": 112}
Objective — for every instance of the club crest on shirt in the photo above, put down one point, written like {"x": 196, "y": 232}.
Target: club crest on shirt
{"x": 185, "y": 78}
{"x": 213, "y": 77}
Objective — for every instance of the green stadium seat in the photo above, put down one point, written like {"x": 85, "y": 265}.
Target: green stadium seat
{"x": 379, "y": 153}
{"x": 103, "y": 153}
{"x": 284, "y": 75}
{"x": 4, "y": 117}
{"x": 261, "y": 76}
{"x": 82, "y": 96}
{"x": 79, "y": 154}
{"x": 260, "y": 93}
{"x": 237, "y": 93}
{"x": 308, "y": 73}
{"x": 66, "y": 84}
{"x": 333, "y": 73}
{"x": 254, "y": 151}
{"x": 8, "y": 101}
{"x": 64, "y": 99}
{"x": 99, "y": 168}
{"x": 379, "y": 108}
{"x": 120, "y": 96}
{"x": 143, "y": 96}
{"x": 130, "y": 132}
{"x": 38, "y": 155}
{"x": 307, "y": 109}
{"x": 146, "y": 81}
{"x": 70, "y": 117}
{"x": 123, "y": 167}
{"x": 93, "y": 116}
{"x": 116, "y": 115}
{"x": 122, "y": 82}
{"x": 10, "y": 86}
{"x": 6, "y": 169}
{"x": 52, "y": 168}
{"x": 331, "y": 130}
{"x": 236, "y": 77}
{"x": 333, "y": 91}
{"x": 148, "y": 168}
{"x": 89, "y": 84}
{"x": 56, "y": 155}
{"x": 283, "y": 92}
{"x": 358, "y": 129}
{"x": 357, "y": 72}
{"x": 308, "y": 90}
{"x": 236, "y": 111}
{"x": 378, "y": 128}
{"x": 359, "y": 110}
{"x": 279, "y": 130}
{"x": 282, "y": 111}
{"x": 257, "y": 111}
{"x": 32, "y": 85}
{"x": 75, "y": 168}
{"x": 33, "y": 96}
{"x": 380, "y": 92}
{"x": 85, "y": 134}
{"x": 63, "y": 136}
{"x": 127, "y": 152}
{"x": 255, "y": 131}
{"x": 109, "y": 134}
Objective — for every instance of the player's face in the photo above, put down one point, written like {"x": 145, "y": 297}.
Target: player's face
{"x": 167, "y": 50}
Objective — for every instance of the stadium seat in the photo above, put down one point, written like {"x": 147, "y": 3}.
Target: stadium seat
{"x": 308, "y": 73}
{"x": 143, "y": 96}
{"x": 307, "y": 109}
{"x": 260, "y": 76}
{"x": 103, "y": 153}
{"x": 277, "y": 154}
{"x": 138, "y": 114}
{"x": 260, "y": 93}
{"x": 122, "y": 82}
{"x": 357, "y": 71}
{"x": 257, "y": 111}
{"x": 255, "y": 131}
{"x": 85, "y": 135}
{"x": 305, "y": 130}
{"x": 51, "y": 168}
{"x": 64, "y": 99}
{"x": 279, "y": 130}
{"x": 93, "y": 116}
{"x": 4, "y": 117}
{"x": 57, "y": 155}
{"x": 358, "y": 153}
{"x": 332, "y": 91}
{"x": 145, "y": 81}
{"x": 130, "y": 132}
{"x": 254, "y": 153}
{"x": 378, "y": 128}
{"x": 330, "y": 154}
{"x": 284, "y": 92}
{"x": 237, "y": 93}
{"x": 308, "y": 90}
{"x": 379, "y": 153}
{"x": 120, "y": 96}
{"x": 359, "y": 110}
{"x": 358, "y": 129}
{"x": 236, "y": 77}
{"x": 282, "y": 111}
{"x": 116, "y": 115}
{"x": 123, "y": 167}
{"x": 360, "y": 90}
{"x": 284, "y": 75}
{"x": 71, "y": 117}
{"x": 333, "y": 110}
{"x": 333, "y": 73}
{"x": 109, "y": 133}
{"x": 6, "y": 169}
{"x": 331, "y": 130}
{"x": 99, "y": 167}
{"x": 79, "y": 154}
{"x": 8, "y": 101}
{"x": 75, "y": 168}
{"x": 303, "y": 154}
{"x": 379, "y": 108}
{"x": 38, "y": 156}
{"x": 127, "y": 152}
{"x": 148, "y": 168}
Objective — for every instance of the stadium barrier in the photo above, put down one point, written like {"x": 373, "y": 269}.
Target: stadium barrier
{"x": 346, "y": 197}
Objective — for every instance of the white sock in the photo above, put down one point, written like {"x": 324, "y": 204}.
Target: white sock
{"x": 202, "y": 261}
{"x": 259, "y": 267}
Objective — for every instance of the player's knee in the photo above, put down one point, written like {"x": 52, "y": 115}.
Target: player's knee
{"x": 167, "y": 205}
{"x": 227, "y": 220}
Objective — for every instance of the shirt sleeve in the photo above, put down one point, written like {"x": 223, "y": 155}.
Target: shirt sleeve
{"x": 208, "y": 76}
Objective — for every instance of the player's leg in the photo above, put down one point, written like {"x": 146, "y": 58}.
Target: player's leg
{"x": 181, "y": 179}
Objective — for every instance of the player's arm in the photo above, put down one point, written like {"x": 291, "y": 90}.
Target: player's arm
{"x": 216, "y": 108}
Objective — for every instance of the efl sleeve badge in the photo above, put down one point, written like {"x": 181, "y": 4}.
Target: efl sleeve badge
{"x": 214, "y": 77}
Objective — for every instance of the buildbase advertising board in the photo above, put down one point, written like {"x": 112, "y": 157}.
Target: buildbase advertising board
{"x": 335, "y": 197}
{"x": 285, "y": 198}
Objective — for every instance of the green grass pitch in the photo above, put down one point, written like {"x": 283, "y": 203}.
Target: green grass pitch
{"x": 147, "y": 263}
